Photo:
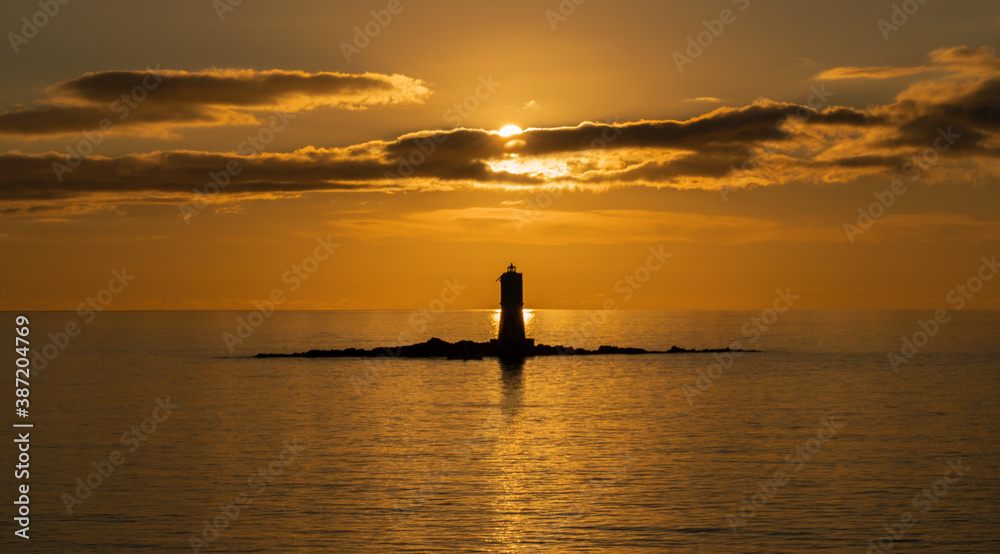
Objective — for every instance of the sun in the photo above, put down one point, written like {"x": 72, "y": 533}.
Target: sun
{"x": 510, "y": 130}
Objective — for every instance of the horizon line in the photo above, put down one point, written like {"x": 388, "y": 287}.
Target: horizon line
{"x": 9, "y": 311}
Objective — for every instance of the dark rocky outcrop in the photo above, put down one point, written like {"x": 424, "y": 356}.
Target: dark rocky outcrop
{"x": 437, "y": 348}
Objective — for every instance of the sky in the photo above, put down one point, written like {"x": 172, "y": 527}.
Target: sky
{"x": 369, "y": 155}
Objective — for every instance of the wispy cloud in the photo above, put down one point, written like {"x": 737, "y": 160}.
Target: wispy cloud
{"x": 963, "y": 60}
{"x": 482, "y": 224}
{"x": 884, "y": 72}
{"x": 154, "y": 100}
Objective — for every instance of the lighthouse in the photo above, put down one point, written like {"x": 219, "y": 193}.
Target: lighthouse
{"x": 510, "y": 336}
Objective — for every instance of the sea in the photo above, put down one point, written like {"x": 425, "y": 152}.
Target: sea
{"x": 845, "y": 431}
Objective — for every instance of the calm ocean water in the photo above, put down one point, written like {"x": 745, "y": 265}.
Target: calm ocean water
{"x": 813, "y": 444}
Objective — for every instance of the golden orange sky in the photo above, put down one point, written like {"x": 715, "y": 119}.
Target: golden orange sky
{"x": 847, "y": 152}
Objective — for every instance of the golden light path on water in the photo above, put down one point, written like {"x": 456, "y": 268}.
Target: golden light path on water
{"x": 553, "y": 454}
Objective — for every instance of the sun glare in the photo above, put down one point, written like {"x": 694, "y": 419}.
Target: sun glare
{"x": 510, "y": 130}
{"x": 547, "y": 167}
{"x": 527, "y": 313}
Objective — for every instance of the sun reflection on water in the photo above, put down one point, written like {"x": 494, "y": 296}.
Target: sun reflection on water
{"x": 528, "y": 315}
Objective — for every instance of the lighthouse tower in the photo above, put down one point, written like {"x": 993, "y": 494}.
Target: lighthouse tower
{"x": 510, "y": 336}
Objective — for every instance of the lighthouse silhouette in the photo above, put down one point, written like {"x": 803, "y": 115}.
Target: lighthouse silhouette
{"x": 510, "y": 336}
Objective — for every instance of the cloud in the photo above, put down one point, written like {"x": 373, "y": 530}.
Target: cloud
{"x": 481, "y": 224}
{"x": 883, "y": 72}
{"x": 961, "y": 60}
{"x": 965, "y": 59}
{"x": 559, "y": 228}
{"x": 766, "y": 143}
{"x": 705, "y": 99}
{"x": 154, "y": 100}
{"x": 965, "y": 103}
{"x": 590, "y": 152}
